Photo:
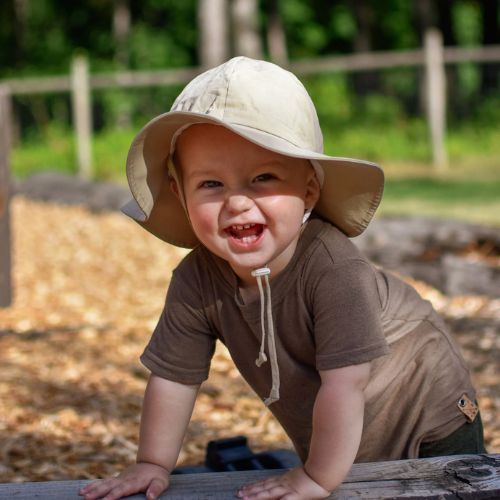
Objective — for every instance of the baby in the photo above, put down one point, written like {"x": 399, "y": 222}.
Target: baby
{"x": 350, "y": 360}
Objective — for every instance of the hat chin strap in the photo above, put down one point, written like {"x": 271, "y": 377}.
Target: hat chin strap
{"x": 267, "y": 311}
{"x": 172, "y": 173}
{"x": 266, "y": 306}
{"x": 258, "y": 274}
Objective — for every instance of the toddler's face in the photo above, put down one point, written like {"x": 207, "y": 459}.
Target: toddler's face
{"x": 245, "y": 203}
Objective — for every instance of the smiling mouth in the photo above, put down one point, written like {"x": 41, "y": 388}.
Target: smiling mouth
{"x": 245, "y": 233}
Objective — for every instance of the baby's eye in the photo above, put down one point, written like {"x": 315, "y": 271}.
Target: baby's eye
{"x": 210, "y": 184}
{"x": 264, "y": 177}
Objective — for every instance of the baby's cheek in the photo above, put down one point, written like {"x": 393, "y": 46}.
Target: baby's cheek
{"x": 204, "y": 223}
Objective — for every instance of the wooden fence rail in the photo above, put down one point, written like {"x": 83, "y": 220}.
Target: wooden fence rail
{"x": 328, "y": 64}
{"x": 433, "y": 56}
{"x": 462, "y": 476}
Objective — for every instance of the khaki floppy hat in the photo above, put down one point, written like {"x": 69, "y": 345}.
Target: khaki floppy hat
{"x": 266, "y": 105}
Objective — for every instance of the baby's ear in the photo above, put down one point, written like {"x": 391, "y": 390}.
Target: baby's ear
{"x": 313, "y": 190}
{"x": 174, "y": 187}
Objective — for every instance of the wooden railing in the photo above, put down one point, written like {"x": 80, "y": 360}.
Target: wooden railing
{"x": 460, "y": 476}
{"x": 433, "y": 57}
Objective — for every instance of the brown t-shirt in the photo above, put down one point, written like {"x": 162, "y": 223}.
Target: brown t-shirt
{"x": 331, "y": 308}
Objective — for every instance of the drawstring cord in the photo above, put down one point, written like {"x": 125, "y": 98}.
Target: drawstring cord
{"x": 268, "y": 308}
{"x": 258, "y": 274}
{"x": 262, "y": 355}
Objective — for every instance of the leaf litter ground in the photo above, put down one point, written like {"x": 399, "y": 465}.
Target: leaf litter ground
{"x": 88, "y": 291}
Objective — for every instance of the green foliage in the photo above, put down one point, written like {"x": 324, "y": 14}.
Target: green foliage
{"x": 390, "y": 141}
{"x": 482, "y": 143}
{"x": 350, "y": 123}
{"x": 305, "y": 35}
{"x": 117, "y": 106}
{"x": 377, "y": 109}
{"x": 467, "y": 19}
{"x": 331, "y": 97}
{"x": 132, "y": 107}
{"x": 342, "y": 22}
{"x": 54, "y": 150}
{"x": 487, "y": 113}
{"x": 110, "y": 150}
{"x": 395, "y": 21}
{"x": 475, "y": 200}
{"x": 474, "y": 148}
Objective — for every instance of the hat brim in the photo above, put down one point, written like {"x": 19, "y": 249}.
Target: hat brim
{"x": 350, "y": 195}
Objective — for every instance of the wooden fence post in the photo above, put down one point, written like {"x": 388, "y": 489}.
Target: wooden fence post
{"x": 82, "y": 114}
{"x": 5, "y": 242}
{"x": 436, "y": 96}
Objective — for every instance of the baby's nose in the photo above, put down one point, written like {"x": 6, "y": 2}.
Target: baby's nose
{"x": 238, "y": 202}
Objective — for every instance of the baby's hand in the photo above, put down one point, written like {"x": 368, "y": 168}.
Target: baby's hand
{"x": 142, "y": 477}
{"x": 294, "y": 485}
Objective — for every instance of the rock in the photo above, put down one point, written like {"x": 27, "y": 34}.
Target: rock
{"x": 465, "y": 277}
{"x": 435, "y": 251}
{"x": 71, "y": 190}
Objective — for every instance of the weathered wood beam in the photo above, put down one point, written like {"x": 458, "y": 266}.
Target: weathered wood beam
{"x": 436, "y": 96}
{"x": 82, "y": 114}
{"x": 460, "y": 476}
{"x": 326, "y": 64}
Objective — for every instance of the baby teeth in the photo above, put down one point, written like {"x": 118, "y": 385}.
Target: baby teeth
{"x": 248, "y": 239}
{"x": 244, "y": 226}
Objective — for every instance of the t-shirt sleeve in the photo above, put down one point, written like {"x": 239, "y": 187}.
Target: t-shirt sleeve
{"x": 347, "y": 315}
{"x": 182, "y": 344}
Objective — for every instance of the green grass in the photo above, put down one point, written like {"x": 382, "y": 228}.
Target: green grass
{"x": 53, "y": 150}
{"x": 471, "y": 199}
{"x": 468, "y": 189}
{"x": 56, "y": 150}
{"x": 110, "y": 150}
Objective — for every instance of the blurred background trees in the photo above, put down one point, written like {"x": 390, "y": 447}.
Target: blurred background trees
{"x": 40, "y": 37}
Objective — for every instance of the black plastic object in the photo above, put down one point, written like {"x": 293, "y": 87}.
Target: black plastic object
{"x": 233, "y": 454}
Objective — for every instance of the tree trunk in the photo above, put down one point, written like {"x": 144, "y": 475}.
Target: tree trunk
{"x": 424, "y": 20}
{"x": 425, "y": 17}
{"x": 276, "y": 37}
{"x": 121, "y": 31}
{"x": 247, "y": 41}
{"x": 445, "y": 19}
{"x": 212, "y": 22}
{"x": 20, "y": 14}
{"x": 367, "y": 81}
{"x": 490, "y": 77}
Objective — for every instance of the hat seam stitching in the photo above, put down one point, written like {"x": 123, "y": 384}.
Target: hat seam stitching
{"x": 227, "y": 87}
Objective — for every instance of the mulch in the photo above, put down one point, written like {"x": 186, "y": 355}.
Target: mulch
{"x": 89, "y": 288}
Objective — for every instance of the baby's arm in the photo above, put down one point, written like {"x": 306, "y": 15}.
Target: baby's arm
{"x": 337, "y": 426}
{"x": 166, "y": 412}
